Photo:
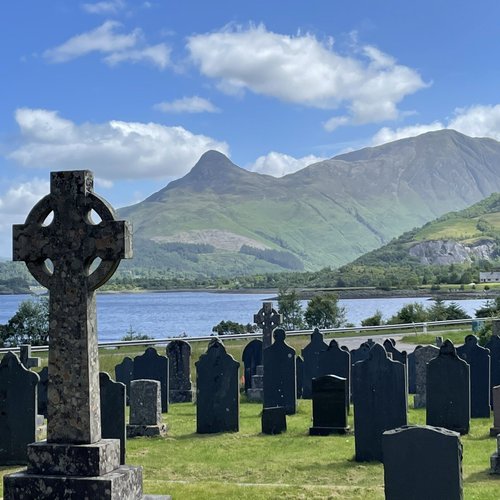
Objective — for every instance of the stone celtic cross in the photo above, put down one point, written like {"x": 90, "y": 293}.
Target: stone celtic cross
{"x": 60, "y": 255}
{"x": 267, "y": 319}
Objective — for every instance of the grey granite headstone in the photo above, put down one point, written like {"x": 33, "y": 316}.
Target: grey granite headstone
{"x": 413, "y": 455}
{"x": 42, "y": 391}
{"x": 422, "y": 357}
{"x": 311, "y": 353}
{"x": 256, "y": 391}
{"x": 74, "y": 462}
{"x": 448, "y": 390}
{"x": 379, "y": 396}
{"x": 18, "y": 410}
{"x": 361, "y": 353}
{"x": 268, "y": 319}
{"x": 280, "y": 383}
{"x": 496, "y": 411}
{"x": 478, "y": 359}
{"x": 252, "y": 358}
{"x": 124, "y": 373}
{"x": 217, "y": 391}
{"x": 153, "y": 366}
{"x": 145, "y": 409}
{"x": 412, "y": 382}
{"x": 495, "y": 459}
{"x": 299, "y": 376}
{"x": 337, "y": 361}
{"x": 494, "y": 346}
{"x": 25, "y": 356}
{"x": 179, "y": 365}
{"x": 273, "y": 420}
{"x": 329, "y": 394}
{"x": 113, "y": 423}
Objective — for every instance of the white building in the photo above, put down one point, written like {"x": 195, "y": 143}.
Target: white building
{"x": 489, "y": 277}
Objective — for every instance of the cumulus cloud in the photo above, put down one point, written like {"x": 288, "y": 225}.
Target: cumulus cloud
{"x": 194, "y": 104}
{"x": 105, "y": 7}
{"x": 280, "y": 164}
{"x": 113, "y": 150}
{"x": 474, "y": 121}
{"x": 302, "y": 69}
{"x": 115, "y": 47}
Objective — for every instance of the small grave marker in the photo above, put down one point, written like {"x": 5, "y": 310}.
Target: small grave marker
{"x": 179, "y": 365}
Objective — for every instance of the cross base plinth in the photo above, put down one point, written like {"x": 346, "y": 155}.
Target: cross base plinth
{"x": 134, "y": 430}
{"x": 86, "y": 460}
{"x": 124, "y": 483}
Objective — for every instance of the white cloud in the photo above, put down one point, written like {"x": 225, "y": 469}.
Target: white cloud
{"x": 115, "y": 46}
{"x": 109, "y": 7}
{"x": 113, "y": 150}
{"x": 280, "y": 164}
{"x": 193, "y": 104}
{"x": 474, "y": 121}
{"x": 301, "y": 69}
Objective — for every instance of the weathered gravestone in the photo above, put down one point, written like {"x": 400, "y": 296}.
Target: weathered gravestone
{"x": 478, "y": 359}
{"x": 311, "y": 353}
{"x": 412, "y": 382}
{"x": 217, "y": 391}
{"x": 495, "y": 459}
{"x": 397, "y": 355}
{"x": 496, "y": 411}
{"x": 329, "y": 394}
{"x": 113, "y": 425}
{"x": 42, "y": 391}
{"x": 256, "y": 391}
{"x": 25, "y": 356}
{"x": 268, "y": 319}
{"x": 74, "y": 462}
{"x": 124, "y": 373}
{"x": 280, "y": 383}
{"x": 422, "y": 357}
{"x": 379, "y": 396}
{"x": 299, "y": 376}
{"x": 179, "y": 364}
{"x": 494, "y": 346}
{"x": 145, "y": 409}
{"x": 448, "y": 390}
{"x": 361, "y": 353}
{"x": 152, "y": 366}
{"x": 273, "y": 420}
{"x": 18, "y": 410}
{"x": 415, "y": 454}
{"x": 252, "y": 358}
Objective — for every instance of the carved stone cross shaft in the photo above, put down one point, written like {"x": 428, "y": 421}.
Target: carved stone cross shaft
{"x": 267, "y": 319}
{"x": 71, "y": 243}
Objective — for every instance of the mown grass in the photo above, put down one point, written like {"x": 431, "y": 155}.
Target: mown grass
{"x": 249, "y": 465}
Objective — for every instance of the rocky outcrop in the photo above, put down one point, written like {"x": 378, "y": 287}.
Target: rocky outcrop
{"x": 444, "y": 252}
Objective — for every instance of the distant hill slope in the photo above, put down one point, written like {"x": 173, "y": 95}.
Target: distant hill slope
{"x": 226, "y": 220}
{"x": 469, "y": 235}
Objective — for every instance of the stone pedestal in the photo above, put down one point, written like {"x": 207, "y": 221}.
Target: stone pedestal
{"x": 256, "y": 392}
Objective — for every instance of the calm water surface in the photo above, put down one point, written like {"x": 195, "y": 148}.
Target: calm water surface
{"x": 162, "y": 315}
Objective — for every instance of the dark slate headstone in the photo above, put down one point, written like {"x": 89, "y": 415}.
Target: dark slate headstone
{"x": 179, "y": 357}
{"x": 379, "y": 396}
{"x": 42, "y": 391}
{"x": 124, "y": 373}
{"x": 299, "y": 374}
{"x": 361, "y": 353}
{"x": 273, "y": 420}
{"x": 422, "y": 357}
{"x": 329, "y": 394}
{"x": 25, "y": 356}
{"x": 448, "y": 390}
{"x": 217, "y": 391}
{"x": 494, "y": 346}
{"x": 478, "y": 359}
{"x": 415, "y": 454}
{"x": 412, "y": 383}
{"x": 495, "y": 430}
{"x": 280, "y": 383}
{"x": 336, "y": 361}
{"x": 152, "y": 366}
{"x": 310, "y": 354}
{"x": 252, "y": 358}
{"x": 397, "y": 355}
{"x": 495, "y": 459}
{"x": 113, "y": 425}
{"x": 18, "y": 410}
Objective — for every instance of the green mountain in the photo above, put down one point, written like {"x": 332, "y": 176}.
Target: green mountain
{"x": 221, "y": 219}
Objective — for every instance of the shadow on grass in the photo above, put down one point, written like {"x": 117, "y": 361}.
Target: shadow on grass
{"x": 484, "y": 475}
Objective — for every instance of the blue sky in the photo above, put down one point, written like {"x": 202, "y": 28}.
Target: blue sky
{"x": 137, "y": 90}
